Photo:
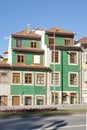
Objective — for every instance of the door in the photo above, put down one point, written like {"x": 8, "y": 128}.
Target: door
{"x": 16, "y": 101}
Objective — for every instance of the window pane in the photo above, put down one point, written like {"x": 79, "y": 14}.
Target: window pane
{"x": 16, "y": 78}
{"x": 40, "y": 78}
{"x": 73, "y": 79}
{"x": 73, "y": 57}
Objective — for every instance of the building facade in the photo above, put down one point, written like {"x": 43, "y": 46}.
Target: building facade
{"x": 83, "y": 43}
{"x": 44, "y": 68}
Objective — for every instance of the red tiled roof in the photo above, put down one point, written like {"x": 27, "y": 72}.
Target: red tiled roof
{"x": 4, "y": 65}
{"x": 25, "y": 34}
{"x": 83, "y": 40}
{"x": 58, "y": 30}
{"x": 29, "y": 67}
{"x": 25, "y": 67}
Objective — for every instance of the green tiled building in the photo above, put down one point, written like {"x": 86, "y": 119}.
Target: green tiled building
{"x": 45, "y": 67}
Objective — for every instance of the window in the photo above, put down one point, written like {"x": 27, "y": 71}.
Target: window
{"x": 51, "y": 39}
{"x": 73, "y": 57}
{"x": 67, "y": 42}
{"x": 28, "y": 100}
{"x": 85, "y": 57}
{"x": 73, "y": 79}
{"x": 40, "y": 100}
{"x": 55, "y": 58}
{"x": 55, "y": 79}
{"x": 28, "y": 78}
{"x": 40, "y": 79}
{"x": 19, "y": 42}
{"x": 4, "y": 77}
{"x": 20, "y": 58}
{"x": 16, "y": 78}
{"x": 3, "y": 100}
{"x": 36, "y": 59}
{"x": 33, "y": 44}
{"x": 85, "y": 75}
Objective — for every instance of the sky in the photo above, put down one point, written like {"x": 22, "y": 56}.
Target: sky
{"x": 66, "y": 14}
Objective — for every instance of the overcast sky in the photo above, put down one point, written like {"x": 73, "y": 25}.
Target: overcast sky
{"x": 70, "y": 15}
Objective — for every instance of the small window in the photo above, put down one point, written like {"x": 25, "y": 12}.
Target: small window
{"x": 51, "y": 39}
{"x": 55, "y": 79}
{"x": 40, "y": 79}
{"x": 55, "y": 58}
{"x": 28, "y": 78}
{"x": 28, "y": 100}
{"x": 16, "y": 78}
{"x": 40, "y": 100}
{"x": 36, "y": 59}
{"x": 20, "y": 58}
{"x": 33, "y": 44}
{"x": 19, "y": 42}
{"x": 67, "y": 42}
{"x": 73, "y": 79}
{"x": 73, "y": 57}
{"x": 4, "y": 78}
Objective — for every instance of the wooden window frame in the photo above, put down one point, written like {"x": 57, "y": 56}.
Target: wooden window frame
{"x": 51, "y": 39}
{"x": 16, "y": 78}
{"x": 40, "y": 79}
{"x": 33, "y": 44}
{"x": 21, "y": 58}
{"x": 19, "y": 42}
{"x": 56, "y": 56}
{"x": 28, "y": 77}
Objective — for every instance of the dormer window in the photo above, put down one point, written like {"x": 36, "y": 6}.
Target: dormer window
{"x": 51, "y": 39}
{"x": 67, "y": 42}
{"x": 19, "y": 42}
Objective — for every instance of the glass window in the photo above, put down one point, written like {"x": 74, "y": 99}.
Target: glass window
{"x": 73, "y": 57}
{"x": 67, "y": 42}
{"x": 19, "y": 42}
{"x": 4, "y": 77}
{"x": 51, "y": 39}
{"x": 40, "y": 100}
{"x": 16, "y": 78}
{"x": 55, "y": 58}
{"x": 20, "y": 58}
{"x": 73, "y": 79}
{"x": 28, "y": 100}
{"x": 40, "y": 79}
{"x": 33, "y": 44}
{"x": 55, "y": 79}
{"x": 28, "y": 78}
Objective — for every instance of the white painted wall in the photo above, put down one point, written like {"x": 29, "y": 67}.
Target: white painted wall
{"x": 9, "y": 52}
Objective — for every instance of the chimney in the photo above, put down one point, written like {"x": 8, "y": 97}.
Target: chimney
{"x": 28, "y": 28}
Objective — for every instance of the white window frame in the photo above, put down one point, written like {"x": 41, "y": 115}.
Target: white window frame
{"x": 54, "y": 79}
{"x": 40, "y": 96}
{"x": 85, "y": 76}
{"x": 44, "y": 79}
{"x": 69, "y": 79}
{"x": 58, "y": 57}
{"x": 69, "y": 58}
